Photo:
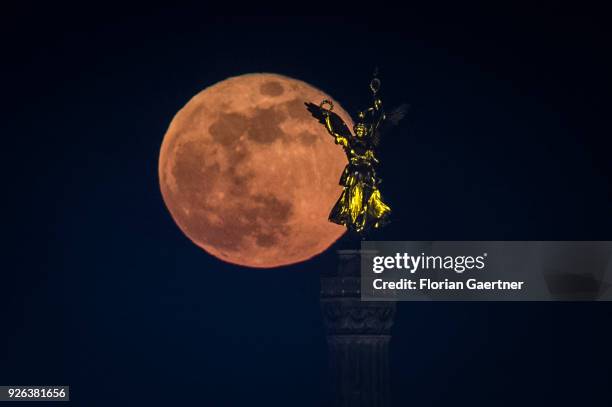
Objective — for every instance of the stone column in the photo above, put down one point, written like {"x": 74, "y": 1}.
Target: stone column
{"x": 358, "y": 335}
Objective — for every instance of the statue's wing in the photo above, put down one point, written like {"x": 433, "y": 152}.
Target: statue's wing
{"x": 337, "y": 123}
{"x": 397, "y": 114}
{"x": 391, "y": 119}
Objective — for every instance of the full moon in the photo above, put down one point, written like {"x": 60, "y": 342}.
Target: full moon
{"x": 249, "y": 175}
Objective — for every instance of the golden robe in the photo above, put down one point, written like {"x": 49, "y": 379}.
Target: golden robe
{"x": 360, "y": 206}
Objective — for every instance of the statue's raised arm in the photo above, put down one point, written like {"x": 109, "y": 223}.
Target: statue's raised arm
{"x": 381, "y": 120}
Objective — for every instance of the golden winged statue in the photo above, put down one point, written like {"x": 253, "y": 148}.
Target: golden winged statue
{"x": 360, "y": 207}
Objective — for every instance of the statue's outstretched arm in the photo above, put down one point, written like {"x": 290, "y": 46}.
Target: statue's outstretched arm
{"x": 377, "y": 113}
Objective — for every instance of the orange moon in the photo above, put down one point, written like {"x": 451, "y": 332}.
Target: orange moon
{"x": 249, "y": 175}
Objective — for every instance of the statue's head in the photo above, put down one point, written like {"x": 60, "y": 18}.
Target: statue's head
{"x": 360, "y": 129}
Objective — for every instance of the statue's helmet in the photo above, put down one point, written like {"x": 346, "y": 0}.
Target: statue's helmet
{"x": 360, "y": 129}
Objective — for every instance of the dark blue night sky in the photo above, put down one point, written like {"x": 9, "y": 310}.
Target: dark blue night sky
{"x": 508, "y": 138}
